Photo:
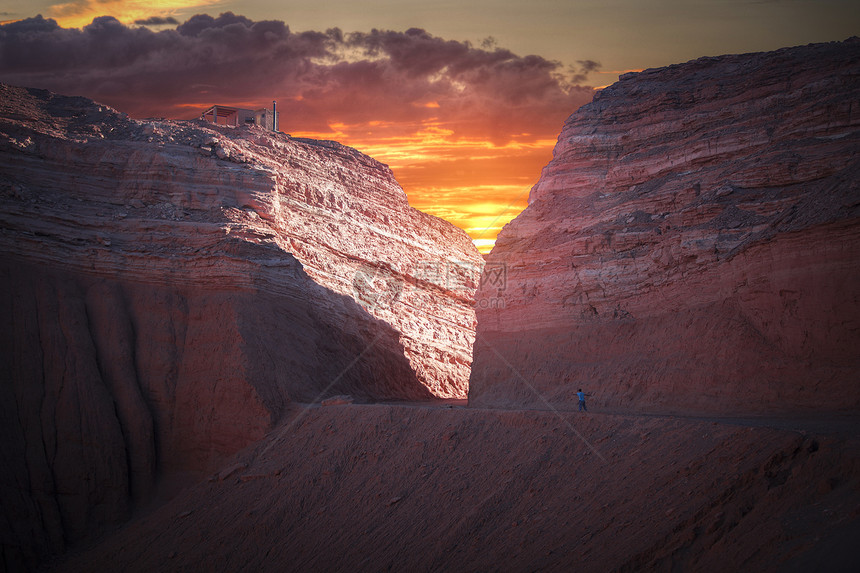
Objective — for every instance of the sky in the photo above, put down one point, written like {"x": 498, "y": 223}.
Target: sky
{"x": 464, "y": 99}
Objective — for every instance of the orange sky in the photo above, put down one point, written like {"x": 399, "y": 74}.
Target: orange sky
{"x": 472, "y": 183}
{"x": 79, "y": 13}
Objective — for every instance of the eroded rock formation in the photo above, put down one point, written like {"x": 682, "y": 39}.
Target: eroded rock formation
{"x": 692, "y": 246}
{"x": 168, "y": 288}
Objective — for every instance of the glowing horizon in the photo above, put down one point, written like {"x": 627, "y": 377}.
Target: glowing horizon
{"x": 428, "y": 166}
{"x": 459, "y": 181}
{"x": 79, "y": 13}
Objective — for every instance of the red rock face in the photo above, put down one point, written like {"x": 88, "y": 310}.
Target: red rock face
{"x": 168, "y": 288}
{"x": 692, "y": 246}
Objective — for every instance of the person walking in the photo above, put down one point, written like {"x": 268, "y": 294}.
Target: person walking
{"x": 582, "y": 396}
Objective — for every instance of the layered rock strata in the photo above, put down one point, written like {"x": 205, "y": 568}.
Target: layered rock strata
{"x": 692, "y": 245}
{"x": 169, "y": 288}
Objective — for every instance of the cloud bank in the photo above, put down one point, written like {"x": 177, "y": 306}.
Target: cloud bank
{"x": 320, "y": 78}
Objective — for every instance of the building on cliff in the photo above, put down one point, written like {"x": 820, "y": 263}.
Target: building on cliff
{"x": 236, "y": 116}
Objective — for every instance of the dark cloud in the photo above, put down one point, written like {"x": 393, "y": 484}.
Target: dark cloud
{"x": 157, "y": 21}
{"x": 319, "y": 78}
{"x": 579, "y": 75}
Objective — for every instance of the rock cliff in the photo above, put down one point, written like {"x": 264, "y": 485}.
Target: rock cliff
{"x": 169, "y": 288}
{"x": 692, "y": 245}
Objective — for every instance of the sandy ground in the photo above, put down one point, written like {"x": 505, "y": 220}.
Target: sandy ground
{"x": 441, "y": 487}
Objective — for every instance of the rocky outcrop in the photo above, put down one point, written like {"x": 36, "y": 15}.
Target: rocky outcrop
{"x": 692, "y": 246}
{"x": 169, "y": 288}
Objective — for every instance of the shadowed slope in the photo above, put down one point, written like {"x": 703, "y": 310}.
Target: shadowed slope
{"x": 377, "y": 487}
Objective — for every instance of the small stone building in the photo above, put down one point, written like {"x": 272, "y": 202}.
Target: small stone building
{"x": 236, "y": 116}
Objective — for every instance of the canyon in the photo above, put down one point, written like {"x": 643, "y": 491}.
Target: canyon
{"x": 229, "y": 349}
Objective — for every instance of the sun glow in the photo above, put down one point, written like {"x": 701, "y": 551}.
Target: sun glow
{"x": 484, "y": 245}
{"x": 79, "y": 13}
{"x": 473, "y": 183}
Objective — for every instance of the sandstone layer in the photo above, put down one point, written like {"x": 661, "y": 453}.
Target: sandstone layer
{"x": 169, "y": 288}
{"x": 692, "y": 245}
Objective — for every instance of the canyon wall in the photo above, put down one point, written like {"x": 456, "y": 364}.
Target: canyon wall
{"x": 691, "y": 247}
{"x": 168, "y": 289}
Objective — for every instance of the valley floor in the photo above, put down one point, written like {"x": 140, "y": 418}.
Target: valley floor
{"x": 442, "y": 487}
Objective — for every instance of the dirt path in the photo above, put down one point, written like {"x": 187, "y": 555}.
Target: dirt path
{"x": 843, "y": 424}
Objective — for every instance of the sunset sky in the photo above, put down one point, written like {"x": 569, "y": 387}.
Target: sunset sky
{"x": 463, "y": 99}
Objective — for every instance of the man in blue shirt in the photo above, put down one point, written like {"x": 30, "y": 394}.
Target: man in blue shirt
{"x": 582, "y": 396}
